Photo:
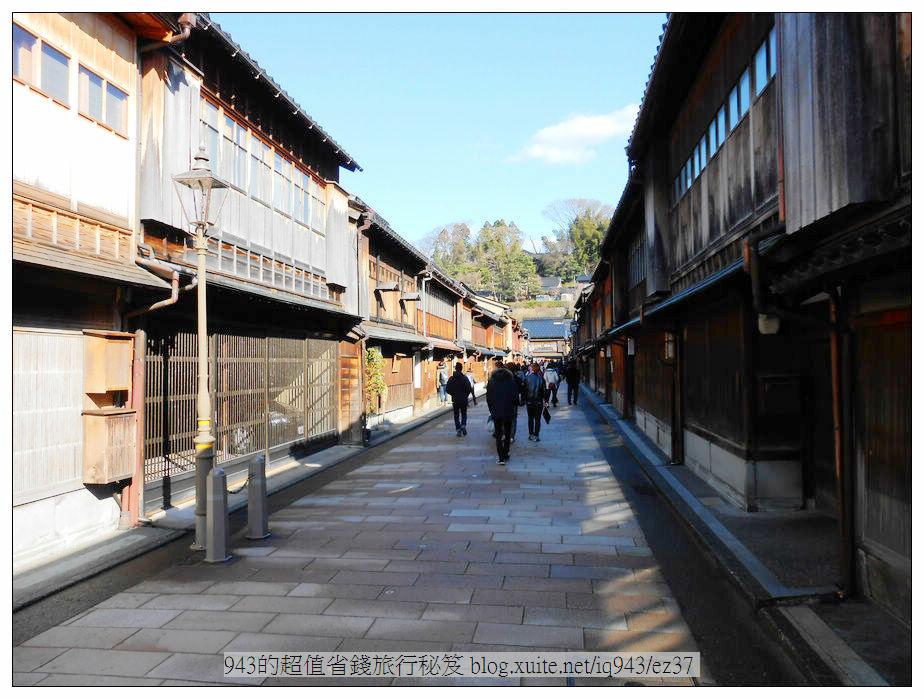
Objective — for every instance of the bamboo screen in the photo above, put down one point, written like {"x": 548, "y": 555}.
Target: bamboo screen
{"x": 264, "y": 390}
{"x": 47, "y": 426}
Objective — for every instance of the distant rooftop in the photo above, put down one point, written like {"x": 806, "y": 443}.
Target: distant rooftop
{"x": 539, "y": 328}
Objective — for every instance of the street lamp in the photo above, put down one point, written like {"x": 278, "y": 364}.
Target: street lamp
{"x": 195, "y": 190}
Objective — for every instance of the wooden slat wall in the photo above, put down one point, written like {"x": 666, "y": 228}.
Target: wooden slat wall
{"x": 47, "y": 425}
{"x": 351, "y": 406}
{"x": 840, "y": 128}
{"x": 67, "y": 230}
{"x": 438, "y": 327}
{"x": 654, "y": 379}
{"x": 712, "y": 371}
{"x": 884, "y": 434}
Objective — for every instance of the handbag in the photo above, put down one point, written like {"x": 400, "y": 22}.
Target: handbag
{"x": 490, "y": 424}
{"x": 546, "y": 414}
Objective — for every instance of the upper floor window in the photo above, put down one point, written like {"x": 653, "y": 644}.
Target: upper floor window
{"x": 25, "y": 48}
{"x": 302, "y": 198}
{"x": 90, "y": 94}
{"x": 765, "y": 62}
{"x": 761, "y": 76}
{"x": 40, "y": 64}
{"x": 317, "y": 208}
{"x": 283, "y": 185}
{"x": 234, "y": 153}
{"x": 636, "y": 271}
{"x": 771, "y": 41}
{"x": 102, "y": 101}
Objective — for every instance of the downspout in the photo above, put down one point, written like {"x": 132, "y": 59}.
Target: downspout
{"x": 845, "y": 512}
{"x": 781, "y": 178}
{"x": 187, "y": 21}
{"x": 364, "y": 432}
{"x": 175, "y": 289}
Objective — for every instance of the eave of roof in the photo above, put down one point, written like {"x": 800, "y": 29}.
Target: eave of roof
{"x": 35, "y": 252}
{"x": 235, "y": 49}
{"x": 684, "y": 37}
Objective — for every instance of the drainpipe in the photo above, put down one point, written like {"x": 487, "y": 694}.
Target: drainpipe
{"x": 364, "y": 433}
{"x": 844, "y": 510}
{"x": 779, "y": 120}
{"x": 175, "y": 289}
{"x": 187, "y": 22}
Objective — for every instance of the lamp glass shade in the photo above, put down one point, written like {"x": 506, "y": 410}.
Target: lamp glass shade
{"x": 202, "y": 194}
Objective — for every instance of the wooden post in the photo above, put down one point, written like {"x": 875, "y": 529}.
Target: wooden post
{"x": 133, "y": 493}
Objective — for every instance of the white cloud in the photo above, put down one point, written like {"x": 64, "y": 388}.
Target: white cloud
{"x": 573, "y": 140}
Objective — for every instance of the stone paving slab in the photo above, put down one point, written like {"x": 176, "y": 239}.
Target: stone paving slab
{"x": 203, "y": 601}
{"x": 292, "y": 605}
{"x": 104, "y": 662}
{"x": 319, "y": 625}
{"x": 421, "y": 630}
{"x": 70, "y": 680}
{"x": 376, "y": 608}
{"x": 447, "y": 551}
{"x": 200, "y": 667}
{"x": 228, "y": 621}
{"x": 177, "y": 641}
{"x": 134, "y": 618}
{"x": 28, "y": 659}
{"x": 282, "y": 642}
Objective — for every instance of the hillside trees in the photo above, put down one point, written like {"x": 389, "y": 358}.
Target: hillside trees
{"x": 493, "y": 260}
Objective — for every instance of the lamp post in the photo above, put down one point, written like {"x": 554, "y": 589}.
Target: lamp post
{"x": 194, "y": 188}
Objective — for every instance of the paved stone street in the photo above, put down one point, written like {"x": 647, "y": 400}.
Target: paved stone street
{"x": 430, "y": 546}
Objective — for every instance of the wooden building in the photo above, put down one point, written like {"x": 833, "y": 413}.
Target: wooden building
{"x": 548, "y": 337}
{"x": 76, "y": 110}
{"x": 282, "y": 274}
{"x": 482, "y": 334}
{"x": 751, "y": 311}
{"x": 390, "y": 287}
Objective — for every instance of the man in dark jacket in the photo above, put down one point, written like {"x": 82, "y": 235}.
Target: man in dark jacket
{"x": 535, "y": 400}
{"x": 573, "y": 377}
{"x": 502, "y": 402}
{"x": 459, "y": 387}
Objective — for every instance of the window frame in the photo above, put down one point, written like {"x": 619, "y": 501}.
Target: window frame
{"x": 106, "y": 84}
{"x": 34, "y": 82}
{"x": 67, "y": 98}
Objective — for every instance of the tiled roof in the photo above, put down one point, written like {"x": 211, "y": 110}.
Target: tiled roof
{"x": 550, "y": 282}
{"x": 547, "y": 327}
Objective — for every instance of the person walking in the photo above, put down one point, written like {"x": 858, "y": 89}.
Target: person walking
{"x": 573, "y": 377}
{"x": 519, "y": 378}
{"x": 551, "y": 380}
{"x": 459, "y": 388}
{"x": 441, "y": 380}
{"x": 502, "y": 403}
{"x": 535, "y": 401}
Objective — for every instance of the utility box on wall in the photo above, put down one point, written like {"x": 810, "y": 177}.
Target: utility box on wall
{"x": 109, "y": 439}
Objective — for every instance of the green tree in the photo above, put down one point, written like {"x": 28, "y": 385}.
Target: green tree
{"x": 506, "y": 269}
{"x": 452, "y": 249}
{"x": 586, "y": 233}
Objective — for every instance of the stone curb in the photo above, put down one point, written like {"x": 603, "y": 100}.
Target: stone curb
{"x": 791, "y": 637}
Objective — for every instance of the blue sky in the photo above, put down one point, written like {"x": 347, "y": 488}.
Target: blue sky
{"x": 465, "y": 117}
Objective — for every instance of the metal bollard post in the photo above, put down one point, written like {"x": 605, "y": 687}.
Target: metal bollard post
{"x": 257, "y": 512}
{"x": 216, "y": 530}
